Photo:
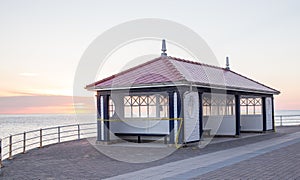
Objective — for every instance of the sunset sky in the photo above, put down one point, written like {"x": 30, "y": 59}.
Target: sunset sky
{"x": 41, "y": 43}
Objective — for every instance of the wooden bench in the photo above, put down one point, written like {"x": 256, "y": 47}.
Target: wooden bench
{"x": 206, "y": 132}
{"x": 139, "y": 135}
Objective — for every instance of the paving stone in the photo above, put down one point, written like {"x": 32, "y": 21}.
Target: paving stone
{"x": 284, "y": 165}
{"x": 80, "y": 160}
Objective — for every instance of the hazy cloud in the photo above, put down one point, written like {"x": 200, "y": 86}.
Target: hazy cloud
{"x": 26, "y": 74}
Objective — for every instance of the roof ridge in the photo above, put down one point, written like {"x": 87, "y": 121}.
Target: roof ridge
{"x": 194, "y": 62}
{"x": 173, "y": 67}
{"x": 227, "y": 70}
{"x": 125, "y": 71}
{"x": 175, "y": 72}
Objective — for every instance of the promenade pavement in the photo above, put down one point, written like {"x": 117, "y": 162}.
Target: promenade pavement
{"x": 263, "y": 156}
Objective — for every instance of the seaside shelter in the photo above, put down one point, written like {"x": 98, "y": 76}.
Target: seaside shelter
{"x": 179, "y": 101}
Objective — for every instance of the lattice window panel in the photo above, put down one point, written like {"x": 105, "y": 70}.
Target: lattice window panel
{"x": 145, "y": 105}
{"x": 251, "y": 105}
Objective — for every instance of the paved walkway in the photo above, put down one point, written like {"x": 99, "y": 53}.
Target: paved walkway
{"x": 279, "y": 164}
{"x": 196, "y": 166}
{"x": 267, "y": 156}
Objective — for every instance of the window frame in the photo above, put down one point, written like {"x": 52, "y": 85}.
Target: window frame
{"x": 218, "y": 105}
{"x": 250, "y": 105}
{"x": 150, "y": 101}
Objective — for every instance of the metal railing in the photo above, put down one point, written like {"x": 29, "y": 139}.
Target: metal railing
{"x": 22, "y": 142}
{"x": 287, "y": 120}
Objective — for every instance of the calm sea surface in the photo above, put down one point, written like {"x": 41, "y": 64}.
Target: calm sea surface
{"x": 12, "y": 124}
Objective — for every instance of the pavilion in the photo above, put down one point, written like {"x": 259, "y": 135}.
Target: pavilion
{"x": 180, "y": 100}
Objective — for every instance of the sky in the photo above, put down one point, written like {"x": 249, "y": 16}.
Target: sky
{"x": 42, "y": 42}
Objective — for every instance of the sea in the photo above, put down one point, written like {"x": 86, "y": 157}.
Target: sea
{"x": 19, "y": 123}
{"x": 11, "y": 124}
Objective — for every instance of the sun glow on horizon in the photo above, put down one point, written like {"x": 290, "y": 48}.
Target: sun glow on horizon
{"x": 46, "y": 105}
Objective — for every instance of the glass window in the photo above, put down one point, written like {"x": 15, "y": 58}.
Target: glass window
{"x": 146, "y": 106}
{"x": 258, "y": 110}
{"x": 251, "y": 110}
{"x": 152, "y": 111}
{"x": 144, "y": 111}
{"x": 163, "y": 106}
{"x": 243, "y": 110}
{"x": 218, "y": 105}
{"x": 135, "y": 111}
{"x": 164, "y": 111}
{"x": 111, "y": 105}
{"x": 251, "y": 106}
{"x": 127, "y": 111}
{"x": 214, "y": 111}
{"x": 206, "y": 110}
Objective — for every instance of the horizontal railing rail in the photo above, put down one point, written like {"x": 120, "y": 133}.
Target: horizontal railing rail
{"x": 287, "y": 120}
{"x": 22, "y": 142}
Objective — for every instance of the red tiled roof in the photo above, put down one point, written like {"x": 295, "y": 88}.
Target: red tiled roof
{"x": 171, "y": 70}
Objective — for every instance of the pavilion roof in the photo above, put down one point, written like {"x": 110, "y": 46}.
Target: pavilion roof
{"x": 172, "y": 71}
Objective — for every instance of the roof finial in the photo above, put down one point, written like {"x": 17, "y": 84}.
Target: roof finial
{"x": 227, "y": 63}
{"x": 163, "y": 48}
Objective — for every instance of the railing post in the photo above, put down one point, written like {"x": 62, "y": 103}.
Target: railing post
{"x": 1, "y": 153}
{"x": 41, "y": 138}
{"x": 78, "y": 129}
{"x": 58, "y": 132}
{"x": 280, "y": 120}
{"x": 10, "y": 147}
{"x": 24, "y": 142}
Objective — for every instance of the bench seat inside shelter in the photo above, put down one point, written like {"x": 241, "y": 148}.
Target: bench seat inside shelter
{"x": 139, "y": 135}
